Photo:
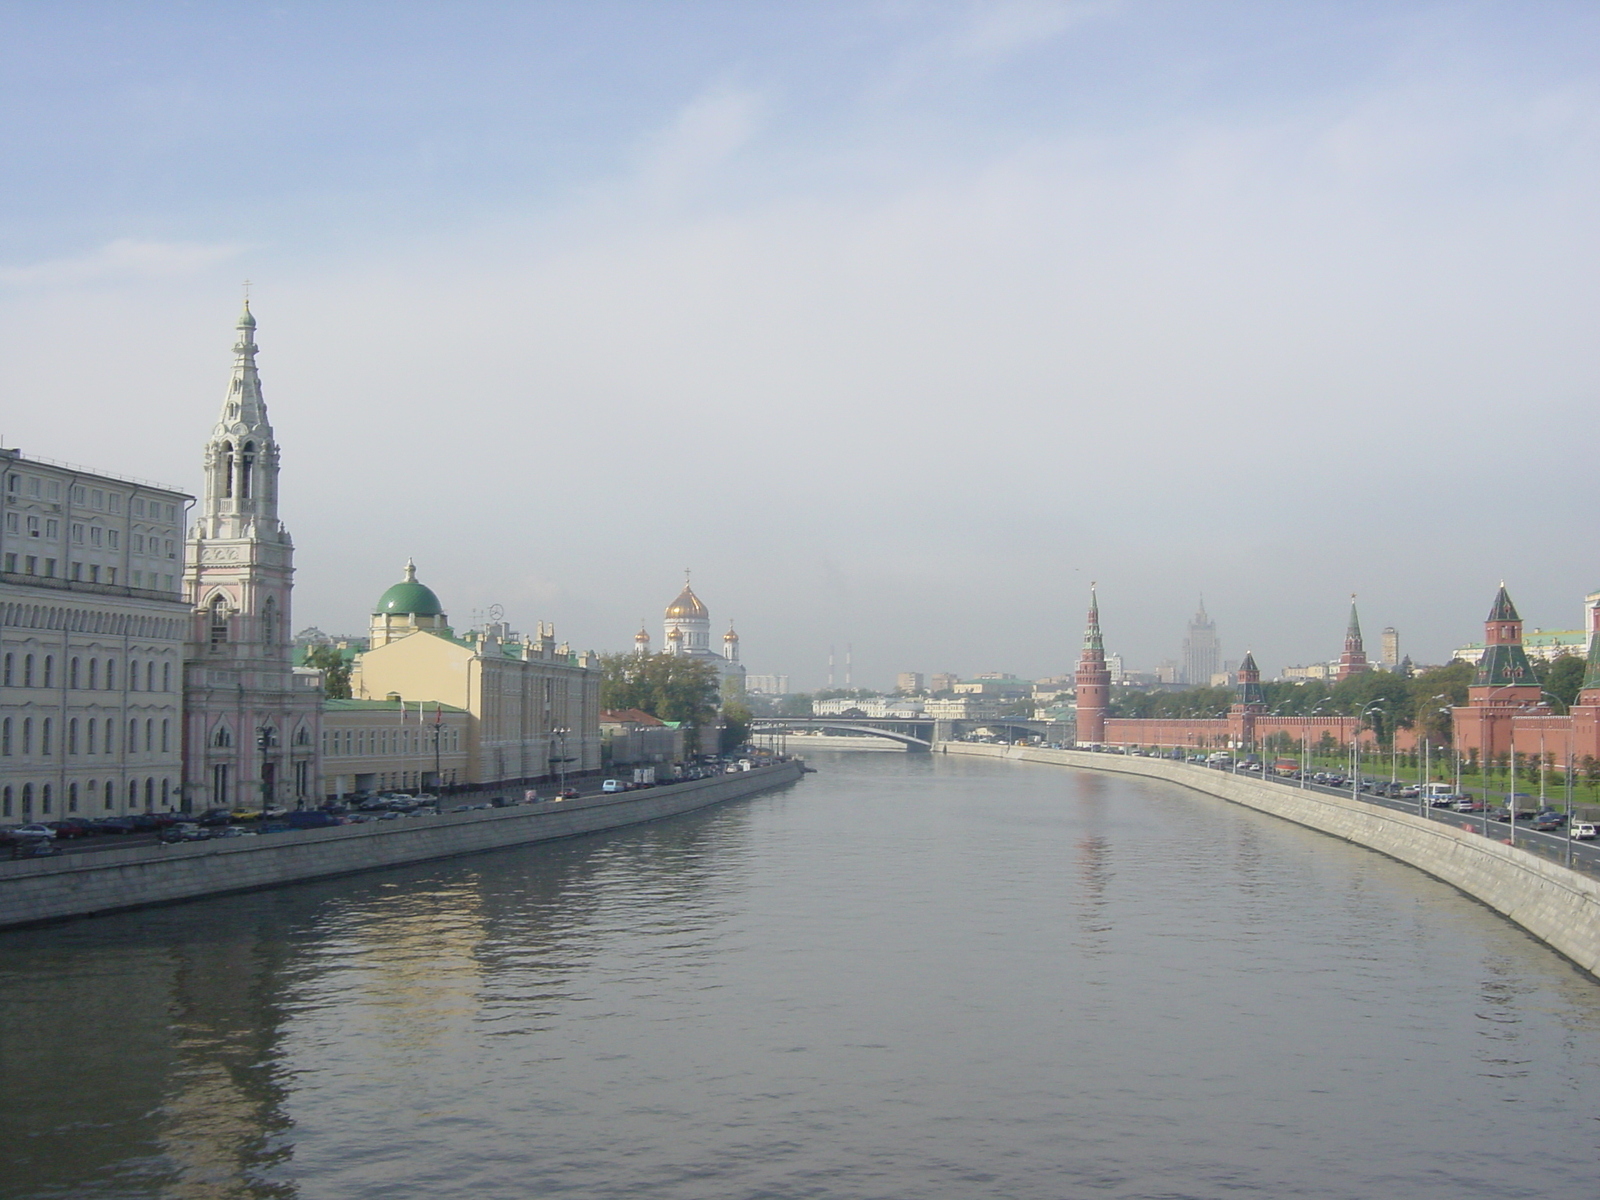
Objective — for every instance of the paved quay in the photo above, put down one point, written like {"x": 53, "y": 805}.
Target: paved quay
{"x": 1560, "y": 907}
{"x": 36, "y": 890}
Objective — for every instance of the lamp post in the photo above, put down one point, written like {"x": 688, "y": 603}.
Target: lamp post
{"x": 266, "y": 739}
{"x": 1305, "y": 743}
{"x": 560, "y": 734}
{"x": 1355, "y": 747}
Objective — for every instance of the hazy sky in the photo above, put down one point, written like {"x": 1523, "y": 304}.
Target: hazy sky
{"x": 897, "y": 322}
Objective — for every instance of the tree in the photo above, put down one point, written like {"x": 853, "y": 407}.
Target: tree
{"x": 735, "y": 725}
{"x": 671, "y": 687}
{"x": 335, "y": 668}
{"x": 1563, "y": 679}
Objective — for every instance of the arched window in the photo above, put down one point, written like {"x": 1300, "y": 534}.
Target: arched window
{"x": 222, "y": 737}
{"x": 150, "y": 677}
{"x": 166, "y": 677}
{"x": 6, "y": 677}
{"x": 149, "y": 734}
{"x": 5, "y": 738}
{"x": 111, "y": 800}
{"x": 269, "y": 622}
{"x": 44, "y": 798}
{"x": 45, "y": 728}
{"x": 72, "y": 797}
{"x": 72, "y": 675}
{"x": 49, "y": 670}
{"x": 72, "y": 736}
{"x": 5, "y": 802}
{"x": 111, "y": 736}
{"x": 166, "y": 734}
{"x": 27, "y": 735}
{"x": 133, "y": 793}
{"x": 88, "y": 740}
{"x": 247, "y": 462}
{"x": 149, "y": 793}
{"x": 111, "y": 674}
{"x": 27, "y": 671}
{"x": 94, "y": 673}
{"x": 133, "y": 675}
{"x": 131, "y": 746}
{"x": 227, "y": 470}
{"x": 219, "y": 621}
{"x": 27, "y": 799}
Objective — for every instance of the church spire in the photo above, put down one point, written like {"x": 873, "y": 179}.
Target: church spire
{"x": 241, "y": 458}
{"x": 1354, "y": 659}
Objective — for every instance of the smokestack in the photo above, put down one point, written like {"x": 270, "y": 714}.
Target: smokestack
{"x": 830, "y": 666}
{"x": 847, "y": 653}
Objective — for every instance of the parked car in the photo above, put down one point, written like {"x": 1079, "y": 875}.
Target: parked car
{"x": 73, "y": 827}
{"x": 115, "y": 825}
{"x": 34, "y": 829}
{"x": 184, "y": 831}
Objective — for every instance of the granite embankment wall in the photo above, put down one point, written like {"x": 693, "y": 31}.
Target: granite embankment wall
{"x": 33, "y": 890}
{"x": 1559, "y": 907}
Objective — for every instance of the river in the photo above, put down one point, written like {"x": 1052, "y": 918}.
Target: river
{"x": 908, "y": 977}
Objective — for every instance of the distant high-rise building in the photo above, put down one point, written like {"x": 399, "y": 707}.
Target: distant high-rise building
{"x": 1391, "y": 647}
{"x": 1202, "y": 653}
{"x": 767, "y": 685}
{"x": 909, "y": 681}
{"x": 943, "y": 682}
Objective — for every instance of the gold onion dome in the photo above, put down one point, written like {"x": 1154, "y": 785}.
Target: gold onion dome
{"x": 687, "y": 605}
{"x": 730, "y": 636}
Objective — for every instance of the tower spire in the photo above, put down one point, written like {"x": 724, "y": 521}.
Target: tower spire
{"x": 241, "y": 459}
{"x": 1093, "y": 679}
{"x": 1354, "y": 659}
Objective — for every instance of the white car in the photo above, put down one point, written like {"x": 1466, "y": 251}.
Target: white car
{"x": 1585, "y": 831}
{"x": 33, "y": 830}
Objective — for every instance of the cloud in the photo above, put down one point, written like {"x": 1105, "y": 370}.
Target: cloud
{"x": 706, "y": 133}
{"x": 123, "y": 258}
{"x": 998, "y": 30}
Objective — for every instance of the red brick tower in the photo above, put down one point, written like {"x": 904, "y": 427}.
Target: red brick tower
{"x": 1093, "y": 680}
{"x": 1250, "y": 704}
{"x": 1354, "y": 659}
{"x": 1503, "y": 688}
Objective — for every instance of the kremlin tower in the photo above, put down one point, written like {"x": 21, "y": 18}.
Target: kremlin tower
{"x": 1354, "y": 659}
{"x": 1093, "y": 680}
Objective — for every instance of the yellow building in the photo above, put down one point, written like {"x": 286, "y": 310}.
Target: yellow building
{"x": 390, "y": 745}
{"x": 529, "y": 703}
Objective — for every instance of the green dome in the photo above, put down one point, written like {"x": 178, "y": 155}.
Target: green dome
{"x": 408, "y": 597}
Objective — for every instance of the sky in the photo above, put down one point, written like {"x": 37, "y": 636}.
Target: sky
{"x": 898, "y": 323}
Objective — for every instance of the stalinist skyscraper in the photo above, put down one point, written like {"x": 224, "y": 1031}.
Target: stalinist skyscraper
{"x": 252, "y": 727}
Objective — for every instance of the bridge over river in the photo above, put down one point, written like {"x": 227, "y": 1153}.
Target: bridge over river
{"x": 916, "y": 733}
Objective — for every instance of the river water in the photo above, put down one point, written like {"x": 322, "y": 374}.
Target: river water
{"x": 908, "y": 977}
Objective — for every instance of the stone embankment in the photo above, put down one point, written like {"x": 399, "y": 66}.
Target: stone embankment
{"x": 34, "y": 890}
{"x": 1558, "y": 906}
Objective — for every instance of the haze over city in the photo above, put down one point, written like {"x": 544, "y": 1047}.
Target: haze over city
{"x": 897, "y": 323}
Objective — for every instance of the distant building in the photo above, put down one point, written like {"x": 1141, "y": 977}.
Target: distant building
{"x": 1544, "y": 644}
{"x": 1311, "y": 671}
{"x": 942, "y": 682}
{"x": 1202, "y": 653}
{"x": 963, "y": 708}
{"x": 767, "y": 685}
{"x": 687, "y": 626}
{"x": 909, "y": 682}
{"x": 1391, "y": 647}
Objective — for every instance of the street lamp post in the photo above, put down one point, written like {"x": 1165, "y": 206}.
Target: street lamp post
{"x": 1355, "y": 748}
{"x": 1305, "y": 743}
{"x": 266, "y": 739}
{"x": 560, "y": 734}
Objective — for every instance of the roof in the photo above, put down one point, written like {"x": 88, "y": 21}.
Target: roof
{"x": 1503, "y": 609}
{"x": 628, "y": 716}
{"x": 687, "y": 605}
{"x": 393, "y": 706}
{"x": 409, "y": 597}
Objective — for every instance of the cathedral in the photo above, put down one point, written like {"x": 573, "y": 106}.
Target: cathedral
{"x": 687, "y": 631}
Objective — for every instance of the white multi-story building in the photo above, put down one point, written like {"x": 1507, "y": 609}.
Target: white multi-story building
{"x": 91, "y": 642}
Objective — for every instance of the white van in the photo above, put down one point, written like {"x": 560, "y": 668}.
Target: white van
{"x": 612, "y": 785}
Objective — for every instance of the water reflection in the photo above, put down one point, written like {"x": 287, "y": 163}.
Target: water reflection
{"x": 906, "y": 977}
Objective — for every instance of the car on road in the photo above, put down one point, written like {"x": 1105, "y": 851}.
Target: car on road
{"x": 1548, "y": 823}
{"x": 33, "y": 829}
{"x": 73, "y": 827}
{"x": 1469, "y": 804}
{"x": 1584, "y": 831}
{"x": 184, "y": 831}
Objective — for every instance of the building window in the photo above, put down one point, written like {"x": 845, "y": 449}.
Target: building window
{"x": 111, "y": 736}
{"x": 149, "y": 734}
{"x": 27, "y": 671}
{"x": 72, "y": 675}
{"x": 247, "y": 462}
{"x": 166, "y": 677}
{"x": 44, "y": 798}
{"x": 72, "y": 797}
{"x": 111, "y": 674}
{"x": 166, "y": 731}
{"x": 88, "y": 729}
{"x": 78, "y": 493}
{"x": 49, "y": 670}
{"x": 133, "y": 793}
{"x": 27, "y": 799}
{"x": 131, "y": 746}
{"x": 77, "y": 570}
{"x": 72, "y": 736}
{"x": 219, "y": 622}
{"x": 77, "y": 532}
{"x": 133, "y": 675}
{"x": 222, "y": 737}
{"x": 111, "y": 574}
{"x": 49, "y": 568}
{"x": 11, "y": 563}
{"x": 150, "y": 677}
{"x": 5, "y": 737}
{"x": 114, "y": 538}
{"x": 13, "y": 523}
{"x": 97, "y": 536}
{"x": 52, "y": 529}
{"x": 10, "y": 665}
{"x": 111, "y": 801}
{"x": 149, "y": 793}
{"x": 227, "y": 470}
{"x": 27, "y": 735}
{"x": 94, "y": 673}
{"x": 94, "y": 572}
{"x": 31, "y": 564}
{"x": 114, "y": 502}
{"x": 5, "y": 796}
{"x": 33, "y": 526}
{"x": 45, "y": 728}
